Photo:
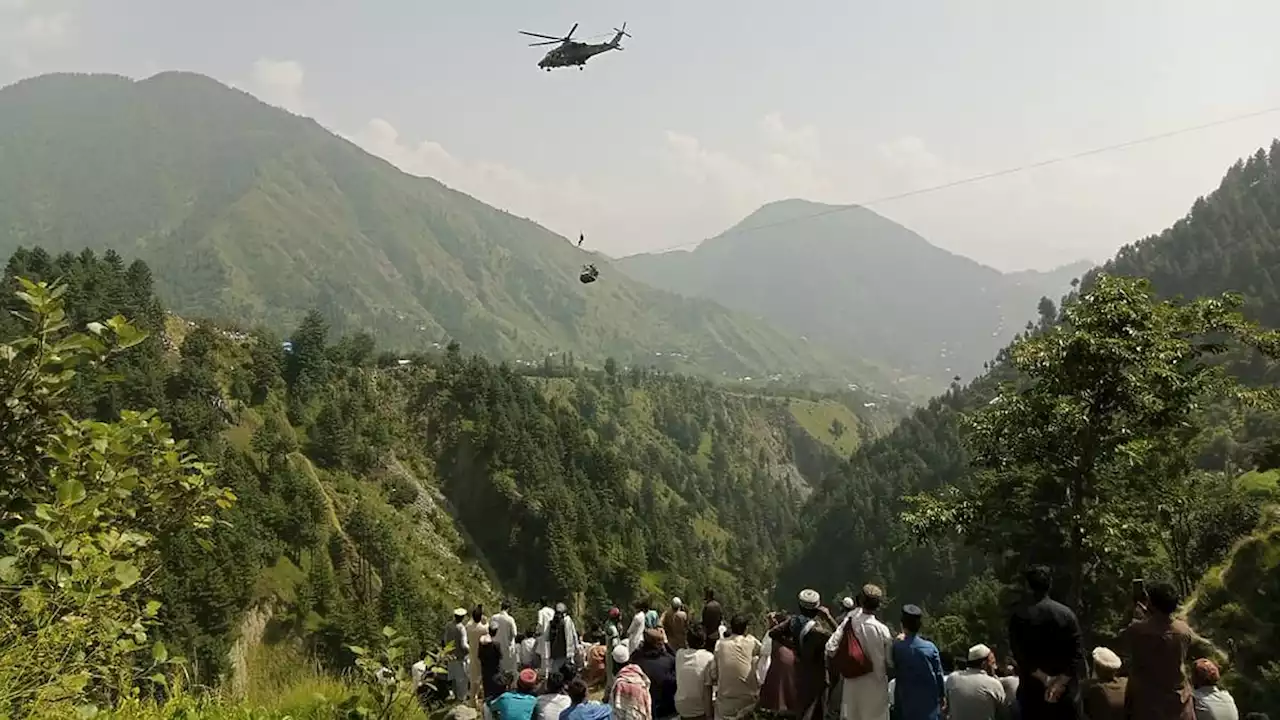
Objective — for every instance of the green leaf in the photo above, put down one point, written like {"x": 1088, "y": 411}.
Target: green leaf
{"x": 36, "y": 533}
{"x": 205, "y": 544}
{"x": 357, "y": 650}
{"x": 84, "y": 712}
{"x": 153, "y": 608}
{"x": 71, "y": 492}
{"x": 388, "y": 631}
{"x": 159, "y": 679}
{"x": 159, "y": 653}
{"x": 126, "y": 574}
{"x": 9, "y": 570}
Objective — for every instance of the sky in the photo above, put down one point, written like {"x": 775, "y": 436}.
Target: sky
{"x": 719, "y": 106}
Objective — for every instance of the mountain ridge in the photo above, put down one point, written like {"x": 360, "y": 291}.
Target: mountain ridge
{"x": 853, "y": 279}
{"x": 247, "y": 211}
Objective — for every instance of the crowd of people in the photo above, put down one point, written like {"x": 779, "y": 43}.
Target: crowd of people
{"x": 813, "y": 664}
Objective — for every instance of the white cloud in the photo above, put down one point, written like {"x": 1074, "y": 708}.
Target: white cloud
{"x": 562, "y": 204}
{"x": 278, "y": 82}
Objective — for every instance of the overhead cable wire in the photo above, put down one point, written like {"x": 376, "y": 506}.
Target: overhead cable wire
{"x": 985, "y": 176}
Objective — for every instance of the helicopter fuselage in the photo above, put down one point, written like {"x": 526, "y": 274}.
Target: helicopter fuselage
{"x": 573, "y": 53}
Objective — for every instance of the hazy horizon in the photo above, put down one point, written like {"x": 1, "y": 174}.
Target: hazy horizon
{"x": 716, "y": 109}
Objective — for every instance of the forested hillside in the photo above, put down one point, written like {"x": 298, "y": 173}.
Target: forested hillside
{"x": 368, "y": 482}
{"x": 246, "y": 211}
{"x": 861, "y": 283}
{"x": 1228, "y": 242}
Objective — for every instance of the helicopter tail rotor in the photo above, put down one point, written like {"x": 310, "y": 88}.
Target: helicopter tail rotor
{"x": 621, "y": 33}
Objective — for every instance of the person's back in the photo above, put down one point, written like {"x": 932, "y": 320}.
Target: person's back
{"x": 554, "y": 701}
{"x": 1158, "y": 647}
{"x": 456, "y": 635}
{"x": 693, "y": 666}
{"x": 972, "y": 694}
{"x": 1210, "y": 701}
{"x": 580, "y": 708}
{"x": 629, "y": 698}
{"x": 712, "y": 615}
{"x": 1045, "y": 638}
{"x": 733, "y": 671}
{"x": 514, "y": 705}
{"x": 659, "y": 665}
{"x": 918, "y": 690}
{"x": 1104, "y": 699}
{"x": 675, "y": 623}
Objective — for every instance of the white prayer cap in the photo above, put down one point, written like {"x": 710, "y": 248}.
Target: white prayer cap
{"x": 809, "y": 599}
{"x": 847, "y": 602}
{"x": 1106, "y": 659}
{"x": 979, "y": 652}
{"x": 460, "y": 612}
{"x": 621, "y": 654}
{"x": 677, "y": 602}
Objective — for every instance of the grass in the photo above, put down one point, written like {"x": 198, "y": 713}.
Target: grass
{"x": 817, "y": 419}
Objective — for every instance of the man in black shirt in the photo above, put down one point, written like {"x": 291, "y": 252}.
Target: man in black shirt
{"x": 1044, "y": 636}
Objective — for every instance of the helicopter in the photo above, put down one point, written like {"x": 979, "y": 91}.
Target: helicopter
{"x": 570, "y": 52}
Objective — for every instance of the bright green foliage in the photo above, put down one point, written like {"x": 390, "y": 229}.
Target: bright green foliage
{"x": 1226, "y": 243}
{"x": 375, "y": 508}
{"x": 246, "y": 211}
{"x": 1238, "y": 604}
{"x": 82, "y": 504}
{"x": 1094, "y": 441}
{"x": 388, "y": 693}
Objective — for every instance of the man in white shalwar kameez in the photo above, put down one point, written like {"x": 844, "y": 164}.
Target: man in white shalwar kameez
{"x": 865, "y": 697}
{"x": 545, "y": 613}
{"x": 506, "y": 637}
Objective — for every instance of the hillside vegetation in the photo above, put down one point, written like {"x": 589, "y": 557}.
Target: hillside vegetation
{"x": 1228, "y": 242}
{"x": 861, "y": 283}
{"x": 367, "y": 483}
{"x": 246, "y": 211}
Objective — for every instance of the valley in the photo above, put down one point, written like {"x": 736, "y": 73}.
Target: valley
{"x": 378, "y": 399}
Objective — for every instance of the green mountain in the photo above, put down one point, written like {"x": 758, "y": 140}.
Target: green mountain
{"x": 863, "y": 284}
{"x": 249, "y": 212}
{"x": 1228, "y": 242}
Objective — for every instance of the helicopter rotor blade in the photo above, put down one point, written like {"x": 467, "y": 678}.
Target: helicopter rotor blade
{"x": 540, "y": 35}
{"x": 575, "y": 27}
{"x": 549, "y": 42}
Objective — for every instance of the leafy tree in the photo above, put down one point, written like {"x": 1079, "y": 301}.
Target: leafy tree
{"x": 82, "y": 506}
{"x": 1088, "y": 440}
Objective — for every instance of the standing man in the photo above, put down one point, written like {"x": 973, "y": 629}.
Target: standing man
{"x": 712, "y": 615}
{"x": 635, "y": 632}
{"x": 811, "y": 628}
{"x": 675, "y": 623}
{"x": 560, "y": 640}
{"x": 919, "y": 693}
{"x": 1044, "y": 636}
{"x": 865, "y": 697}
{"x": 545, "y": 613}
{"x": 477, "y": 628}
{"x": 506, "y": 637}
{"x": 455, "y": 637}
{"x": 974, "y": 693}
